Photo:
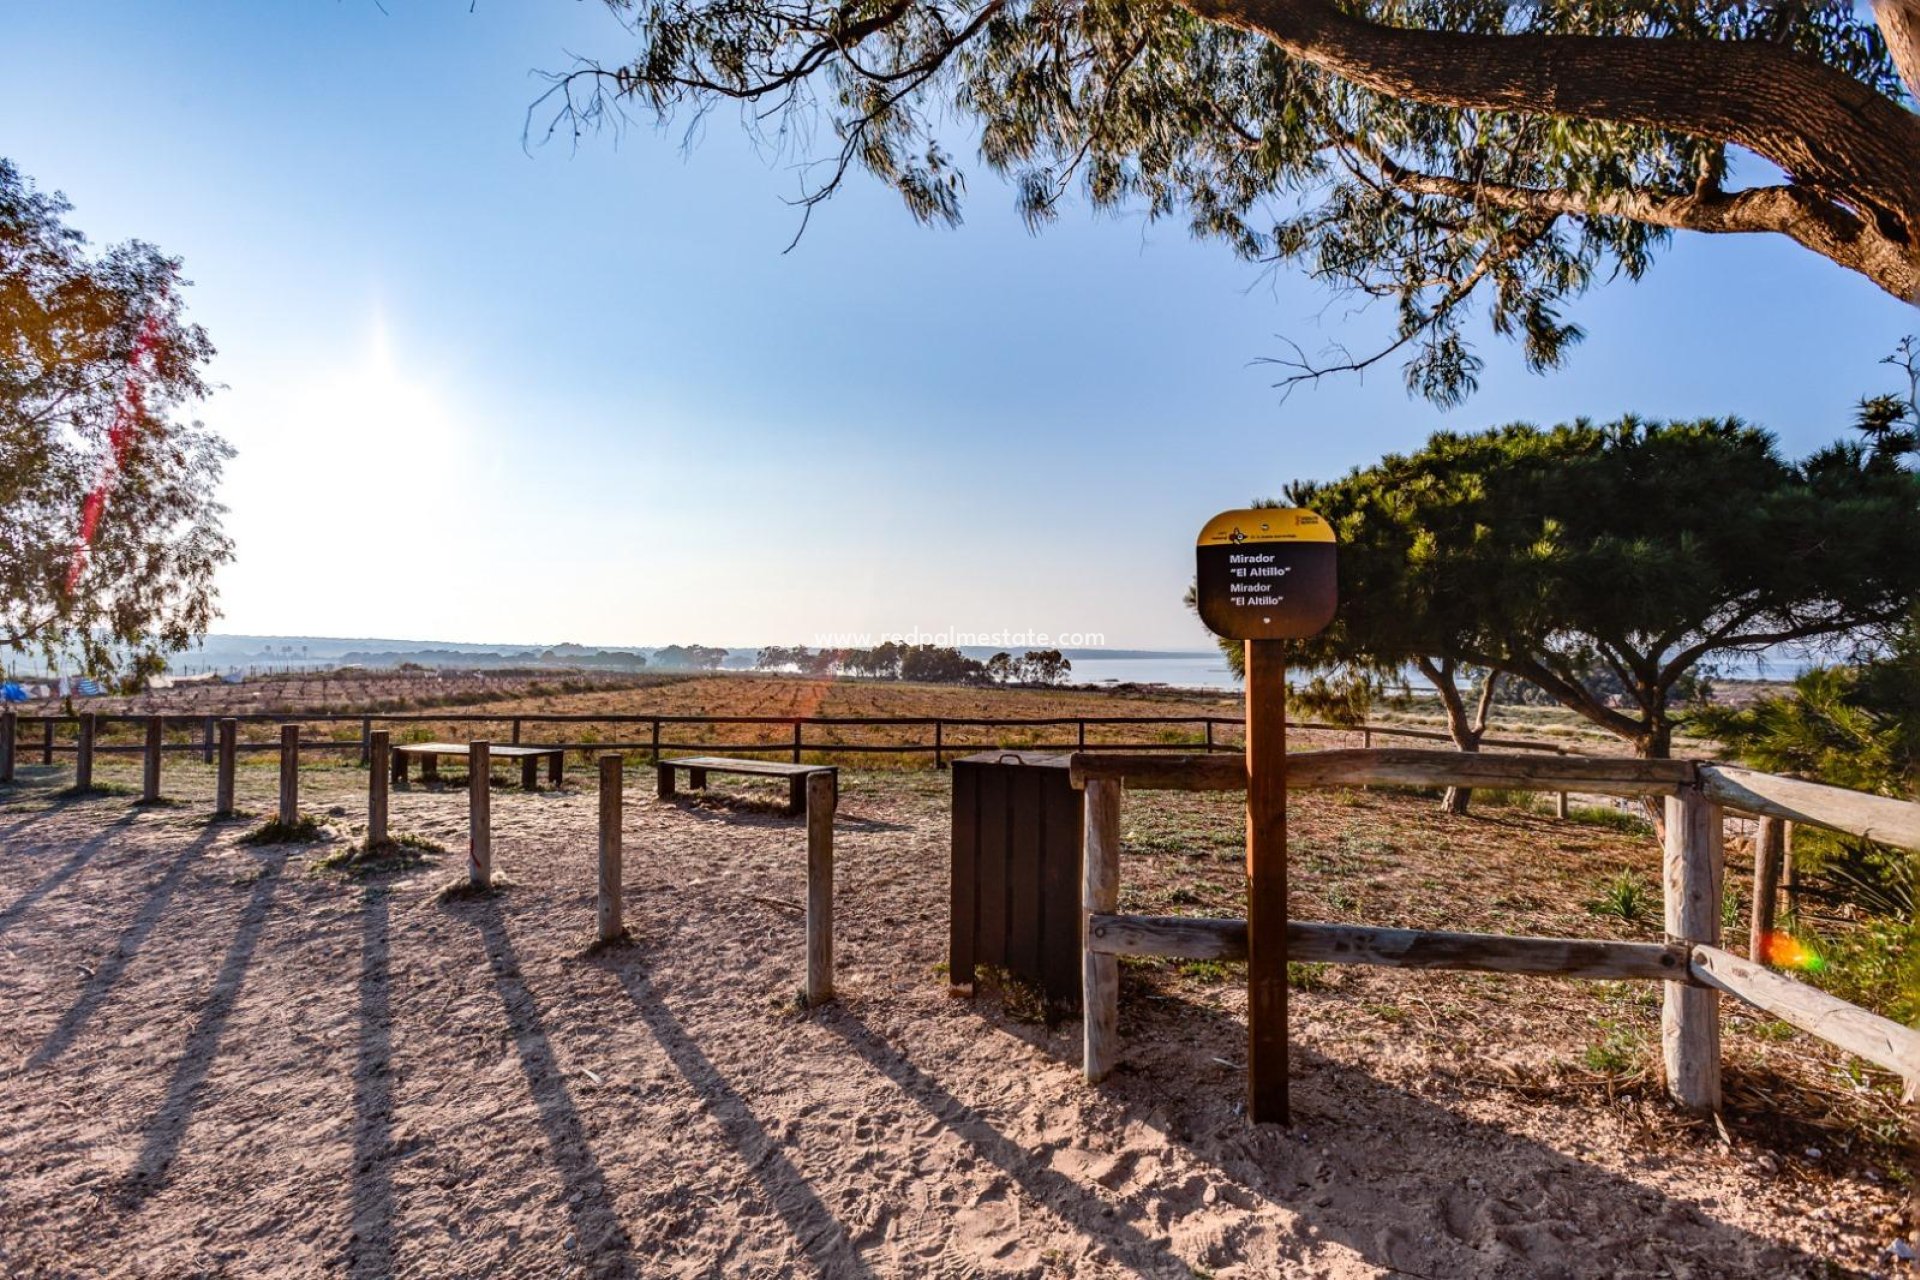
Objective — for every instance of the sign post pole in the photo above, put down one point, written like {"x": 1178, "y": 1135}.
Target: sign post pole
{"x": 1266, "y": 576}
{"x": 1266, "y": 881}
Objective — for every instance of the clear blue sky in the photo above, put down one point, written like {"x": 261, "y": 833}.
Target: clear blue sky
{"x": 630, "y": 418}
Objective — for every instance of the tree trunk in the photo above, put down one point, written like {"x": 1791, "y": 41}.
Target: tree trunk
{"x": 1456, "y": 799}
{"x": 1657, "y": 744}
{"x": 1461, "y": 725}
{"x": 1851, "y": 152}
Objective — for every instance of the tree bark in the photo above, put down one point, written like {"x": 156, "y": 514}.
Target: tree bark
{"x": 1899, "y": 22}
{"x": 1851, "y": 152}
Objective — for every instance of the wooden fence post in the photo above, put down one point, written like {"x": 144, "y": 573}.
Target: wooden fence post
{"x": 83, "y": 755}
{"x": 821, "y": 799}
{"x": 1690, "y": 1015}
{"x": 9, "y": 726}
{"x": 289, "y": 774}
{"x": 480, "y": 814}
{"x": 223, "y": 777}
{"x": 1790, "y": 874}
{"x": 1266, "y": 757}
{"x": 1099, "y": 895}
{"x": 1560, "y": 805}
{"x": 206, "y": 740}
{"x": 46, "y": 742}
{"x": 379, "y": 780}
{"x": 656, "y": 740}
{"x": 150, "y": 771}
{"x": 366, "y": 741}
{"x": 939, "y": 762}
{"x": 612, "y": 782}
{"x": 1769, "y": 848}
{"x": 796, "y": 742}
{"x": 1209, "y": 737}
{"x": 516, "y": 731}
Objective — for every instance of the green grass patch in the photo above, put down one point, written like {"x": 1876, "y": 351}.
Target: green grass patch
{"x": 1620, "y": 1051}
{"x": 1605, "y": 815}
{"x": 1306, "y": 975}
{"x": 77, "y": 792}
{"x": 1626, "y": 897}
{"x": 1204, "y": 970}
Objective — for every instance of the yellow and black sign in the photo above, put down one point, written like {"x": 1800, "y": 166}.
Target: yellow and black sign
{"x": 1266, "y": 574}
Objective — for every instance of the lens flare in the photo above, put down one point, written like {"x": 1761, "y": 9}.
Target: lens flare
{"x": 1789, "y": 952}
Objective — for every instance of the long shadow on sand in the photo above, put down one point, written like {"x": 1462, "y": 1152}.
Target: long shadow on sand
{"x": 1501, "y": 1204}
{"x": 1095, "y": 1218}
{"x": 370, "y": 1246}
{"x": 819, "y": 1234}
{"x": 168, "y": 1127}
{"x": 107, "y": 976}
{"x": 602, "y": 1243}
{"x": 79, "y": 858}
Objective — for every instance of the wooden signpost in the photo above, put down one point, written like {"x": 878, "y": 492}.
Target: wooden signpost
{"x": 1266, "y": 576}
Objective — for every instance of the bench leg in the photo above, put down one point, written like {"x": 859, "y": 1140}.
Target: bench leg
{"x": 429, "y": 768}
{"x": 399, "y": 767}
{"x": 556, "y": 767}
{"x": 665, "y": 773}
{"x": 697, "y": 779}
{"x": 530, "y": 774}
{"x": 797, "y": 794}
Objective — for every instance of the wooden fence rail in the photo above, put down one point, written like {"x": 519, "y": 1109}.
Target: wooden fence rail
{"x": 1690, "y": 964}
{"x": 1200, "y": 938}
{"x": 949, "y": 736}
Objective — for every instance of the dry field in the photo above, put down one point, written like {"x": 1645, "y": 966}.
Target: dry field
{"x": 228, "y": 1059}
{"x": 750, "y": 694}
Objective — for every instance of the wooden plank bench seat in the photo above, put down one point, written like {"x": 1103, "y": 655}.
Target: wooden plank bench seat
{"x": 529, "y": 758}
{"x": 698, "y": 767}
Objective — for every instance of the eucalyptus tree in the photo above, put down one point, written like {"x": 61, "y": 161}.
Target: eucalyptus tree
{"x": 1441, "y": 155}
{"x": 110, "y": 532}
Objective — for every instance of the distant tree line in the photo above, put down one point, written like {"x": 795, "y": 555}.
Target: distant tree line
{"x": 922, "y": 663}
{"x": 689, "y": 657}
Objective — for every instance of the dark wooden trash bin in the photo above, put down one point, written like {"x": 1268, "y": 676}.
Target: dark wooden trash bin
{"x": 1015, "y": 896}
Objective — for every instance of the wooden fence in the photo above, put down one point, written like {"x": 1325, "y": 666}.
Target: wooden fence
{"x": 48, "y": 736}
{"x": 1690, "y": 962}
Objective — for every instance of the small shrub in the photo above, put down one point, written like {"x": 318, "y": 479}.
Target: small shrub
{"x": 305, "y": 829}
{"x": 400, "y": 853}
{"x": 1730, "y": 909}
{"x": 1626, "y": 897}
{"x": 1304, "y": 975}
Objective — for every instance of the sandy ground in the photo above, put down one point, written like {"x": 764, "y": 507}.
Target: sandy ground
{"x": 220, "y": 1061}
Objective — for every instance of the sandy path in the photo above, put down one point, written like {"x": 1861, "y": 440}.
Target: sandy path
{"x": 219, "y": 1062}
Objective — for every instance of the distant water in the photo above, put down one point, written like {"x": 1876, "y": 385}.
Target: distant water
{"x": 1207, "y": 671}
{"x": 1210, "y": 671}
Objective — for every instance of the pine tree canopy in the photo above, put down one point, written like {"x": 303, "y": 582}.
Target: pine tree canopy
{"x": 1444, "y": 156}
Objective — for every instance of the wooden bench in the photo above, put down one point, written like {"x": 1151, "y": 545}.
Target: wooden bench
{"x": 698, "y": 767}
{"x": 529, "y": 758}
